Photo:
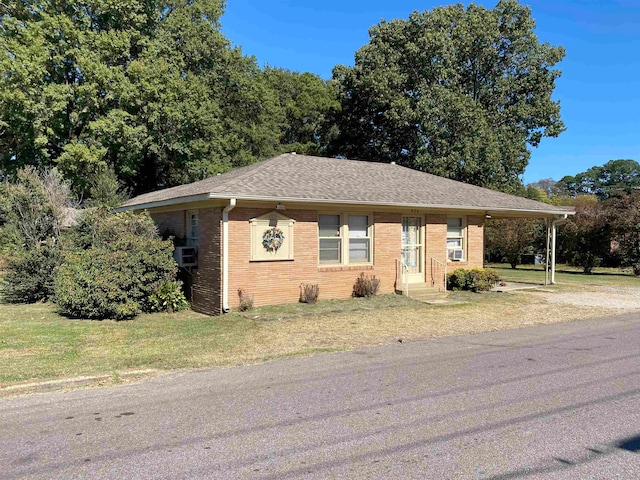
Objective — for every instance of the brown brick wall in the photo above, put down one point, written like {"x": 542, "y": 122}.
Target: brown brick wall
{"x": 475, "y": 241}
{"x": 279, "y": 281}
{"x": 206, "y": 296}
{"x": 436, "y": 241}
{"x": 207, "y": 283}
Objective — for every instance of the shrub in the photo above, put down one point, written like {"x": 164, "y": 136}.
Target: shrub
{"x": 29, "y": 274}
{"x": 246, "y": 300}
{"x": 95, "y": 284}
{"x": 309, "y": 293}
{"x": 168, "y": 298}
{"x": 35, "y": 204}
{"x": 99, "y": 228}
{"x": 366, "y": 286}
{"x": 474, "y": 279}
{"x": 116, "y": 276}
{"x": 34, "y": 207}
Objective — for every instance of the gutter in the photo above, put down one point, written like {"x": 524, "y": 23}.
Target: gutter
{"x": 225, "y": 254}
{"x": 214, "y": 196}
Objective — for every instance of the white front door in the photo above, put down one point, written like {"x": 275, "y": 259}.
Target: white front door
{"x": 413, "y": 248}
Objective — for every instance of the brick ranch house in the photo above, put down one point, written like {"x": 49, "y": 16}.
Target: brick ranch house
{"x": 272, "y": 226}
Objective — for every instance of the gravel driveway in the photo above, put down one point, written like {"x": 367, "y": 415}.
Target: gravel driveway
{"x": 623, "y": 299}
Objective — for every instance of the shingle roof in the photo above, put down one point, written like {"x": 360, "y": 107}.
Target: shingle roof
{"x": 303, "y": 178}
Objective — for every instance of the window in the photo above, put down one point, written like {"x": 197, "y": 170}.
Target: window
{"x": 192, "y": 229}
{"x": 359, "y": 240}
{"x": 329, "y": 233}
{"x": 344, "y": 239}
{"x": 455, "y": 239}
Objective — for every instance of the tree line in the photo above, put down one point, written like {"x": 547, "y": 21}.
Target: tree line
{"x": 605, "y": 230}
{"x": 146, "y": 94}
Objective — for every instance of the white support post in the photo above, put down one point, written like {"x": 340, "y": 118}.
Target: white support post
{"x": 553, "y": 252}
{"x": 546, "y": 263}
{"x": 554, "y": 229}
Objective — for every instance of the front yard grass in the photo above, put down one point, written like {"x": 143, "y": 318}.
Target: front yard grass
{"x": 37, "y": 344}
{"x": 568, "y": 277}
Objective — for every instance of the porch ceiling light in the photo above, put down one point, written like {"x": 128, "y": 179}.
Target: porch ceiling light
{"x": 487, "y": 215}
{"x": 280, "y": 206}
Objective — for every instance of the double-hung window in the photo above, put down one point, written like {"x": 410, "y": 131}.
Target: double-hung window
{"x": 344, "y": 239}
{"x": 455, "y": 239}
{"x": 330, "y": 236}
{"x": 359, "y": 240}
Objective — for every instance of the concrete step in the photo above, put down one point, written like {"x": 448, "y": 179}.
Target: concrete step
{"x": 425, "y": 293}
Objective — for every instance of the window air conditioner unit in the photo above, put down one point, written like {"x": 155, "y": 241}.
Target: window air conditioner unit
{"x": 457, "y": 255}
{"x": 186, "y": 256}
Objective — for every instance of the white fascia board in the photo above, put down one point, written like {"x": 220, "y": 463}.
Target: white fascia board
{"x": 391, "y": 204}
{"x": 165, "y": 203}
{"x": 211, "y": 196}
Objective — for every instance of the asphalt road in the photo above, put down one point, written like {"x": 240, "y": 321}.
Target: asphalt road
{"x": 556, "y": 401}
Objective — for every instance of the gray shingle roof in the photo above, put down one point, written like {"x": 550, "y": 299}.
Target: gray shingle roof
{"x": 303, "y": 178}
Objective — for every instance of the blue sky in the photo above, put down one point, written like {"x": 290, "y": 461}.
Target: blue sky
{"x": 599, "y": 89}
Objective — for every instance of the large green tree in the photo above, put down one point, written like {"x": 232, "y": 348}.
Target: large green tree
{"x": 309, "y": 106}
{"x": 148, "y": 88}
{"x": 584, "y": 240}
{"x": 459, "y": 92}
{"x": 615, "y": 176}
{"x": 622, "y": 216}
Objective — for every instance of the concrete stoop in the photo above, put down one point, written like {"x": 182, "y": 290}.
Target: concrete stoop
{"x": 425, "y": 293}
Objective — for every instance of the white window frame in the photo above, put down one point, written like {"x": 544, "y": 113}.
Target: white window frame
{"x": 190, "y": 239}
{"x": 339, "y": 237}
{"x": 462, "y": 237}
{"x": 345, "y": 239}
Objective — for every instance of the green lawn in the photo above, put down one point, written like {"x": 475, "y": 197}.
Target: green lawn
{"x": 38, "y": 344}
{"x": 567, "y": 276}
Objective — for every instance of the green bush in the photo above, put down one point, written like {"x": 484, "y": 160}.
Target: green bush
{"x": 93, "y": 284}
{"x": 29, "y": 274}
{"x": 125, "y": 271}
{"x": 168, "y": 298}
{"x": 366, "y": 286}
{"x": 474, "y": 279}
{"x": 34, "y": 207}
{"x": 99, "y": 228}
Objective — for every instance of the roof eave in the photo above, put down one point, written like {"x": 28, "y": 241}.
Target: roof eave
{"x": 165, "y": 203}
{"x": 211, "y": 196}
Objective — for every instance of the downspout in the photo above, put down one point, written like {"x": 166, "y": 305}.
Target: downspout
{"x": 553, "y": 248}
{"x": 225, "y": 254}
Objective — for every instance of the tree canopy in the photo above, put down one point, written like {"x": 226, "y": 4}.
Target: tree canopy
{"x": 150, "y": 89}
{"x": 309, "y": 105}
{"x": 459, "y": 92}
{"x": 151, "y": 93}
{"x": 615, "y": 176}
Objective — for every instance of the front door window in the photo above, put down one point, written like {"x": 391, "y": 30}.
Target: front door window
{"x": 412, "y": 246}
